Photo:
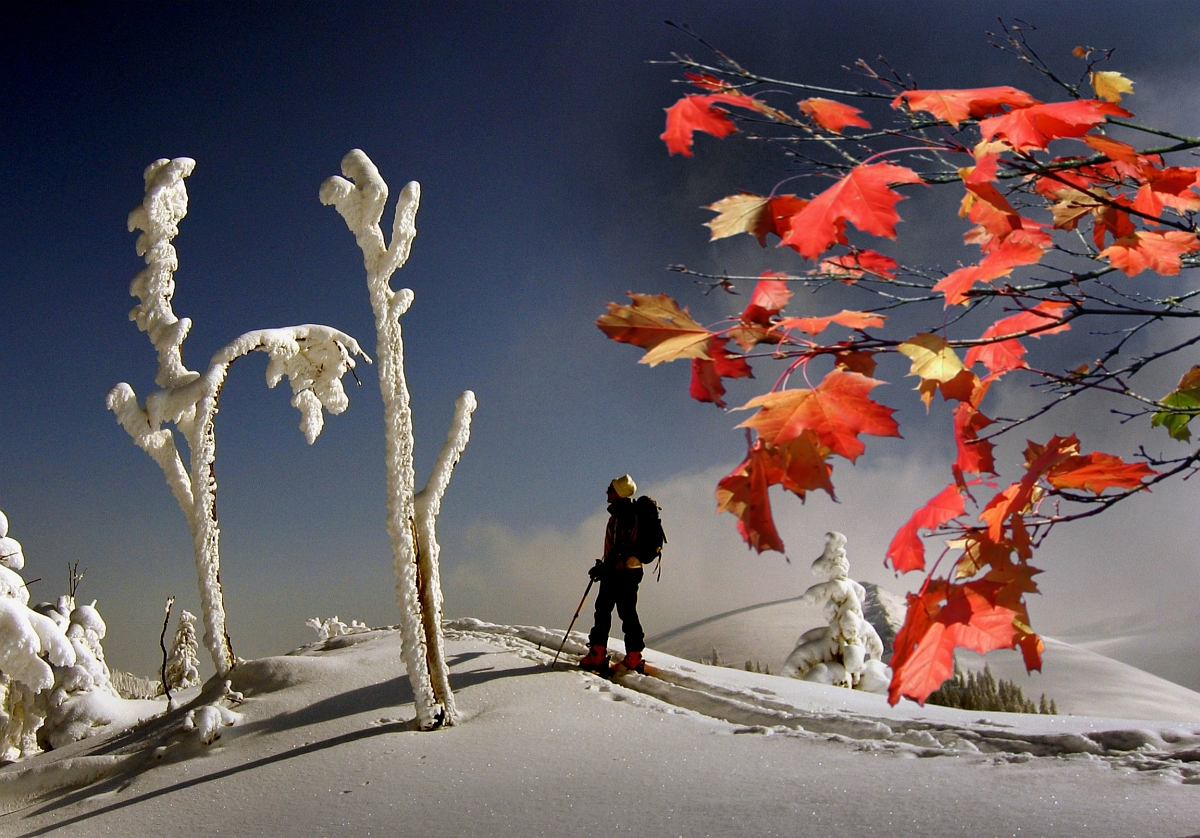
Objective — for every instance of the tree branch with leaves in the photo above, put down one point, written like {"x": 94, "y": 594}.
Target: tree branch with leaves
{"x": 1080, "y": 216}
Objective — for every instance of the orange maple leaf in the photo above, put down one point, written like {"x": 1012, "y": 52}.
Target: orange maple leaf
{"x": 815, "y": 325}
{"x": 1036, "y": 126}
{"x": 658, "y": 325}
{"x": 863, "y": 197}
{"x": 906, "y": 551}
{"x": 1144, "y": 250}
{"x": 838, "y": 410}
{"x": 1113, "y": 149}
{"x": 1098, "y": 471}
{"x": 954, "y": 106}
{"x": 832, "y": 116}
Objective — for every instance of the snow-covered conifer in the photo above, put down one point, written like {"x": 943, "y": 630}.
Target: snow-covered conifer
{"x": 30, "y": 645}
{"x": 183, "y": 667}
{"x": 360, "y": 197}
{"x": 314, "y": 358}
{"x": 848, "y": 651}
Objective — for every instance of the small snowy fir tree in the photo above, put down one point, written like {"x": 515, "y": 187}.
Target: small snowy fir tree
{"x": 30, "y": 644}
{"x": 183, "y": 667}
{"x": 847, "y": 652}
{"x": 84, "y": 698}
{"x": 360, "y": 198}
{"x": 314, "y": 359}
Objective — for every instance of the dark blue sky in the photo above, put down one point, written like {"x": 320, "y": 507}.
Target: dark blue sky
{"x": 533, "y": 129}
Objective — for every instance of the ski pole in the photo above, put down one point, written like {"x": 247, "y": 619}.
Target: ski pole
{"x": 573, "y": 619}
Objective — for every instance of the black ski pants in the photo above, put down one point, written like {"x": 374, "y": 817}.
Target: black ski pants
{"x": 619, "y": 587}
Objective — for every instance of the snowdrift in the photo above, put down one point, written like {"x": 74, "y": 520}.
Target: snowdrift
{"x": 327, "y": 745}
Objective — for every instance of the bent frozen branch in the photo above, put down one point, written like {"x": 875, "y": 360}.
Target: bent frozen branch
{"x": 314, "y": 358}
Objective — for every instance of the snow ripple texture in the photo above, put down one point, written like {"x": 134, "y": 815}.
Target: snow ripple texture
{"x": 741, "y": 699}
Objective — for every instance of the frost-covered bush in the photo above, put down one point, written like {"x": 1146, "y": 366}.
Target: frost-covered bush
{"x": 84, "y": 697}
{"x": 848, "y": 651}
{"x": 31, "y": 643}
{"x": 360, "y": 198}
{"x": 333, "y": 627}
{"x": 183, "y": 666}
{"x": 314, "y": 358}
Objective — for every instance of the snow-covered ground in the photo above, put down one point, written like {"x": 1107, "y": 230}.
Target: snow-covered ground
{"x": 326, "y": 746}
{"x": 1081, "y": 681}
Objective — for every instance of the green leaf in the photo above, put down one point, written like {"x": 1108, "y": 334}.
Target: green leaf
{"x": 1184, "y": 404}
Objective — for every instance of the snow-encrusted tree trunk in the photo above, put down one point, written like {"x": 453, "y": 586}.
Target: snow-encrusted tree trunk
{"x": 360, "y": 198}
{"x": 313, "y": 357}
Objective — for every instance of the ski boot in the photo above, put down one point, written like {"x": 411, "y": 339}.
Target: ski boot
{"x": 596, "y": 660}
{"x": 634, "y": 663}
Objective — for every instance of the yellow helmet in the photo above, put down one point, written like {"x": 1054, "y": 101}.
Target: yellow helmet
{"x": 624, "y": 486}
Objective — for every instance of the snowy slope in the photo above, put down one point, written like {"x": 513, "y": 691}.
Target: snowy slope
{"x": 327, "y": 747}
{"x": 1080, "y": 681}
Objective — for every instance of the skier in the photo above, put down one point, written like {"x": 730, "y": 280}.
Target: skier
{"x": 619, "y": 574}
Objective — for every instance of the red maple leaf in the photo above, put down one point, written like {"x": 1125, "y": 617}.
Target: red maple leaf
{"x": 769, "y": 297}
{"x": 798, "y": 466}
{"x": 863, "y": 197}
{"x": 954, "y": 106}
{"x": 941, "y": 618}
{"x": 1158, "y": 252}
{"x": 1006, "y": 355}
{"x": 696, "y": 112}
{"x": 1014, "y": 500}
{"x": 832, "y": 116}
{"x": 838, "y": 410}
{"x": 999, "y": 262}
{"x": 706, "y": 375}
{"x": 851, "y": 266}
{"x": 1034, "y": 127}
{"x": 974, "y": 454}
{"x": 744, "y": 493}
{"x": 815, "y": 325}
{"x": 1098, "y": 471}
{"x": 906, "y": 551}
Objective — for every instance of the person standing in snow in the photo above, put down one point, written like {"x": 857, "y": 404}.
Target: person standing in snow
{"x": 619, "y": 574}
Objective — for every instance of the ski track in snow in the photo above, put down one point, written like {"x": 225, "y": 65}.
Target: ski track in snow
{"x": 1169, "y": 750}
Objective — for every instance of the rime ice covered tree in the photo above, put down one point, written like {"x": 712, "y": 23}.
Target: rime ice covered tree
{"x": 314, "y": 358}
{"x": 182, "y": 669}
{"x": 360, "y": 197}
{"x": 848, "y": 651}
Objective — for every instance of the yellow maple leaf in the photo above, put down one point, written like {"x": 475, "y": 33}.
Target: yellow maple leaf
{"x": 741, "y": 213}
{"x": 1109, "y": 85}
{"x": 933, "y": 360}
{"x": 658, "y": 325}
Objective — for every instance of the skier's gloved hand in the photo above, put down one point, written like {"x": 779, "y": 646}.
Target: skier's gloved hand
{"x": 596, "y": 571}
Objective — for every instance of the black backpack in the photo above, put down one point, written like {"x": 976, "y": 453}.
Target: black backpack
{"x": 648, "y": 535}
